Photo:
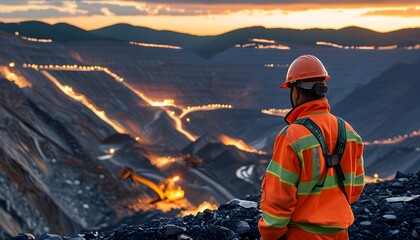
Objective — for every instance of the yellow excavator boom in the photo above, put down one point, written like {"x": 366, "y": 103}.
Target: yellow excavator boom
{"x": 171, "y": 192}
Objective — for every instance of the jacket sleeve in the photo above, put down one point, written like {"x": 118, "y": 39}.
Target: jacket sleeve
{"x": 279, "y": 190}
{"x": 360, "y": 176}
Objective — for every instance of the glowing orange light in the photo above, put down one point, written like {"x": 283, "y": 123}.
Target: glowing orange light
{"x": 35, "y": 39}
{"x": 276, "y": 112}
{"x": 415, "y": 47}
{"x": 16, "y": 78}
{"x": 85, "y": 101}
{"x": 12, "y": 64}
{"x": 166, "y": 102}
{"x": 209, "y": 107}
{"x": 203, "y": 206}
{"x": 277, "y": 46}
{"x": 240, "y": 144}
{"x": 334, "y": 45}
{"x": 376, "y": 178}
{"x": 171, "y": 190}
{"x": 263, "y": 44}
{"x": 395, "y": 139}
{"x": 391, "y": 47}
{"x": 155, "y": 45}
{"x": 262, "y": 40}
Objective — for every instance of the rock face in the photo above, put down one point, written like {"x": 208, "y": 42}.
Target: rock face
{"x": 385, "y": 210}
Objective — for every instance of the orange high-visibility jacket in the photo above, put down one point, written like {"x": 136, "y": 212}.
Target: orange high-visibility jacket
{"x": 289, "y": 192}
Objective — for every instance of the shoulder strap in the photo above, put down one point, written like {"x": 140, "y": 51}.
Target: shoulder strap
{"x": 341, "y": 139}
{"x": 311, "y": 126}
{"x": 331, "y": 160}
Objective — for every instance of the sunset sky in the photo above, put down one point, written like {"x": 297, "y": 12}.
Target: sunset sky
{"x": 209, "y": 17}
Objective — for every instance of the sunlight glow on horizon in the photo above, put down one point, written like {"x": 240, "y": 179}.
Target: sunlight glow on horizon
{"x": 220, "y": 18}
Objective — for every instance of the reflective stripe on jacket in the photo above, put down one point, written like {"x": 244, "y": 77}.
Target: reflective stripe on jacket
{"x": 290, "y": 195}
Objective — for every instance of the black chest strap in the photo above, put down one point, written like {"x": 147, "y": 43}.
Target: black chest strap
{"x": 332, "y": 161}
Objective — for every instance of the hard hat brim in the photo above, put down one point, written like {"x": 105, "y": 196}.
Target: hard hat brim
{"x": 286, "y": 84}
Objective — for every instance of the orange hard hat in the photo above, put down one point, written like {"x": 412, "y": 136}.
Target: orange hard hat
{"x": 305, "y": 67}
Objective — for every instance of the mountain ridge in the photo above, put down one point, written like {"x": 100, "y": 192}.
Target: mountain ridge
{"x": 60, "y": 32}
{"x": 208, "y": 46}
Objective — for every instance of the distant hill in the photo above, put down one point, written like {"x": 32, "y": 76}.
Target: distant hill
{"x": 208, "y": 46}
{"x": 395, "y": 93}
{"x": 347, "y": 36}
{"x": 60, "y": 32}
{"x": 129, "y": 32}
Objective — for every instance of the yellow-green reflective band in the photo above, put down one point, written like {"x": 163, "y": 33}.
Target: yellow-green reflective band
{"x": 359, "y": 180}
{"x": 308, "y": 188}
{"x": 274, "y": 221}
{"x": 284, "y": 175}
{"x": 315, "y": 164}
{"x": 353, "y": 137}
{"x": 304, "y": 143}
{"x": 361, "y": 162}
{"x": 318, "y": 229}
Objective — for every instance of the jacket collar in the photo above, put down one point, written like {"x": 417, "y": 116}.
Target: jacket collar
{"x": 306, "y": 108}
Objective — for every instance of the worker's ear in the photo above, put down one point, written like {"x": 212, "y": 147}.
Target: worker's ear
{"x": 320, "y": 89}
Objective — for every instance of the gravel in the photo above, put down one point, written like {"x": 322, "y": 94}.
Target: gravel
{"x": 385, "y": 210}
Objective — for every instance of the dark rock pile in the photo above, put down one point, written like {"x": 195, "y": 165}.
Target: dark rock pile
{"x": 237, "y": 219}
{"x": 386, "y": 210}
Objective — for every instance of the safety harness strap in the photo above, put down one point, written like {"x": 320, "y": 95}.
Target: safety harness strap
{"x": 331, "y": 160}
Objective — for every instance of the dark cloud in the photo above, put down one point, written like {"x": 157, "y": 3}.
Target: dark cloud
{"x": 58, "y": 9}
{"x": 95, "y": 9}
{"x": 13, "y": 2}
{"x": 51, "y": 3}
{"x": 66, "y": 8}
{"x": 34, "y": 14}
{"x": 118, "y": 10}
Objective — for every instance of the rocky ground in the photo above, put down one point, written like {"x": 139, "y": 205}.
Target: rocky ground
{"x": 386, "y": 210}
{"x": 389, "y": 209}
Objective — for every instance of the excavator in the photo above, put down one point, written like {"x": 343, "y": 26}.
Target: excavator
{"x": 165, "y": 191}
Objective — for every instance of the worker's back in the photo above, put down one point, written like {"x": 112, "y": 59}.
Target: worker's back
{"x": 315, "y": 206}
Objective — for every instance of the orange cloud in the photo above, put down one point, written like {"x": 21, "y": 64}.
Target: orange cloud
{"x": 410, "y": 12}
{"x": 203, "y": 18}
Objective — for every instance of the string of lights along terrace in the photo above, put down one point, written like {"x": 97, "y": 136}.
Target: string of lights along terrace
{"x": 390, "y": 47}
{"x": 32, "y": 39}
{"x": 69, "y": 91}
{"x": 171, "y": 195}
{"x": 100, "y": 113}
